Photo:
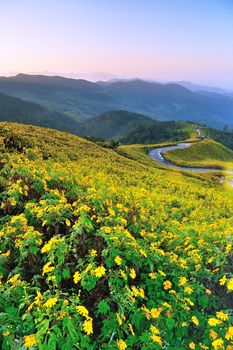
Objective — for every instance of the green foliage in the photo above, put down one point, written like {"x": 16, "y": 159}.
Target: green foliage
{"x": 155, "y": 133}
{"x": 224, "y": 137}
{"x": 99, "y": 251}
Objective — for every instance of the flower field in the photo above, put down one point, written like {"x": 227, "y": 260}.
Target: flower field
{"x": 100, "y": 251}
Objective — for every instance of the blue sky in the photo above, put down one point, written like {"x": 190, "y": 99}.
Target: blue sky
{"x": 156, "y": 39}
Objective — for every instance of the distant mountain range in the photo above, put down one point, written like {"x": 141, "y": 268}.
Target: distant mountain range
{"x": 81, "y": 100}
{"x": 118, "y": 125}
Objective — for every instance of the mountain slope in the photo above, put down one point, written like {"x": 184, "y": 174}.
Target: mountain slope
{"x": 16, "y": 110}
{"x": 77, "y": 98}
{"x": 156, "y": 132}
{"x": 114, "y": 124}
{"x": 81, "y": 99}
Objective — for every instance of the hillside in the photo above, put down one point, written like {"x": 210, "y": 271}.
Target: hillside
{"x": 205, "y": 153}
{"x": 100, "y": 251}
{"x": 13, "y": 109}
{"x": 113, "y": 124}
{"x": 119, "y": 125}
{"x": 81, "y": 99}
{"x": 158, "y": 132}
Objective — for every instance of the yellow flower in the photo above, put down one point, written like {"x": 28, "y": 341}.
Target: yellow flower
{"x": 118, "y": 260}
{"x": 154, "y": 330}
{"x": 195, "y": 320}
{"x": 47, "y": 268}
{"x": 119, "y": 319}
{"x": 222, "y": 281}
{"x": 192, "y": 345}
{"x": 121, "y": 344}
{"x": 229, "y": 333}
{"x": 6, "y": 333}
{"x": 214, "y": 322}
{"x": 162, "y": 273}
{"x": 82, "y": 310}
{"x": 15, "y": 280}
{"x": 132, "y": 274}
{"x": 167, "y": 285}
{"x": 93, "y": 253}
{"x": 213, "y": 334}
{"x": 188, "y": 290}
{"x": 184, "y": 324}
{"x": 99, "y": 271}
{"x": 157, "y": 339}
{"x": 155, "y": 313}
{"x": 218, "y": 344}
{"x": 123, "y": 274}
{"x": 229, "y": 347}
{"x": 50, "y": 302}
{"x": 222, "y": 316}
{"x": 84, "y": 208}
{"x": 208, "y": 291}
{"x": 131, "y": 329}
{"x": 6, "y": 254}
{"x": 68, "y": 223}
{"x": 29, "y": 340}
{"x": 153, "y": 275}
{"x": 77, "y": 277}
{"x": 228, "y": 248}
{"x": 182, "y": 281}
{"x": 230, "y": 284}
{"x": 87, "y": 326}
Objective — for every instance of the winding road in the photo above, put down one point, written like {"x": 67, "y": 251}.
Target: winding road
{"x": 157, "y": 154}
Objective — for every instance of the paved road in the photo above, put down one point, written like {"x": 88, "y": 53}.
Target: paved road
{"x": 157, "y": 154}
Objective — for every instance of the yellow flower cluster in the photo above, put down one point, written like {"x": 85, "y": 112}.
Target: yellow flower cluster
{"x": 103, "y": 247}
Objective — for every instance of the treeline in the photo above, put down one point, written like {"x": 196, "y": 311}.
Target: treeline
{"x": 157, "y": 132}
{"x": 224, "y": 137}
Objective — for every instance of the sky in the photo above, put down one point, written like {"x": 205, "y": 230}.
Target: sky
{"x": 152, "y": 39}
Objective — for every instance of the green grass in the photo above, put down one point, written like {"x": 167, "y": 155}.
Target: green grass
{"x": 206, "y": 153}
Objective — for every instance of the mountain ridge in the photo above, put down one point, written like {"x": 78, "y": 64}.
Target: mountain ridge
{"x": 81, "y": 99}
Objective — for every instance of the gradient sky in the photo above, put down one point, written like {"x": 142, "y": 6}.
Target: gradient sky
{"x": 156, "y": 39}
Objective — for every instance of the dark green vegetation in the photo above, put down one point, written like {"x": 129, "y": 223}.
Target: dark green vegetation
{"x": 81, "y": 99}
{"x": 114, "y": 124}
{"x": 156, "y": 132}
{"x": 13, "y": 109}
{"x": 224, "y": 137}
{"x": 131, "y": 128}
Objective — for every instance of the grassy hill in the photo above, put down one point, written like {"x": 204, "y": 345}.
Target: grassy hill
{"x": 100, "y": 251}
{"x": 205, "y": 153}
{"x": 81, "y": 99}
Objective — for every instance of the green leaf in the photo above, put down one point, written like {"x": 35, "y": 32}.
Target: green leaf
{"x": 43, "y": 326}
{"x": 103, "y": 307}
{"x": 170, "y": 323}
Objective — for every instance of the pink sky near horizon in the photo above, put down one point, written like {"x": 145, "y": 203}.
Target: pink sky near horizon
{"x": 163, "y": 40}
